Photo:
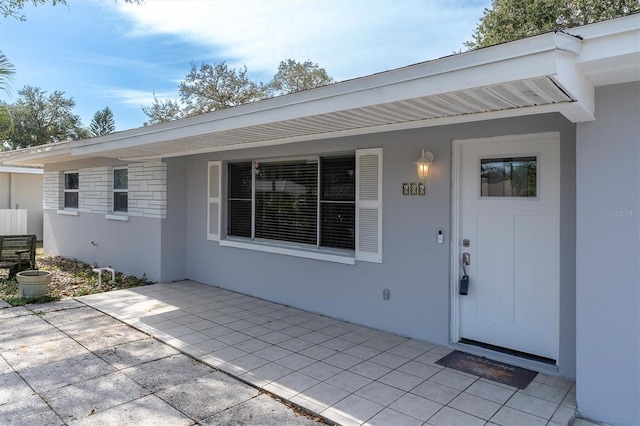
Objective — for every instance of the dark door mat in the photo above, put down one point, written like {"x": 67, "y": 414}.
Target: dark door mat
{"x": 489, "y": 369}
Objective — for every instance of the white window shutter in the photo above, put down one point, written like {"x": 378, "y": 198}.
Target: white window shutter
{"x": 369, "y": 205}
{"x": 214, "y": 205}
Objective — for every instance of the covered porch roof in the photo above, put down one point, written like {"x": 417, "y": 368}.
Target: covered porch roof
{"x": 553, "y": 72}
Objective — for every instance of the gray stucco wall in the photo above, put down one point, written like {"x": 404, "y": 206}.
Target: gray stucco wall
{"x": 608, "y": 258}
{"x": 132, "y": 247}
{"x": 415, "y": 268}
{"x": 174, "y": 226}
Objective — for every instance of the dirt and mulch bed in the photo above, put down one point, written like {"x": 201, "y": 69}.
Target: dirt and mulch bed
{"x": 70, "y": 278}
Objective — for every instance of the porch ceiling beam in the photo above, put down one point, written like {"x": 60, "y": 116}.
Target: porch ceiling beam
{"x": 572, "y": 81}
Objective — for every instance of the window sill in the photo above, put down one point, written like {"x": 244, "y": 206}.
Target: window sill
{"x": 69, "y": 212}
{"x": 325, "y": 255}
{"x": 115, "y": 216}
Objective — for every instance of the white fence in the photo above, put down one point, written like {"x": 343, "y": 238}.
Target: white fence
{"x": 13, "y": 222}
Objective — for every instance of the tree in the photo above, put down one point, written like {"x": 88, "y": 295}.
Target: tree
{"x": 13, "y": 8}
{"x": 214, "y": 87}
{"x": 162, "y": 110}
{"x": 509, "y": 20}
{"x": 102, "y": 123}
{"x": 6, "y": 71}
{"x": 295, "y": 76}
{"x": 6, "y": 123}
{"x": 39, "y": 119}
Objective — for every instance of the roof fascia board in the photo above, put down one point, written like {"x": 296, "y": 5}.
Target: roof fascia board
{"x": 21, "y": 170}
{"x": 610, "y": 50}
{"x": 611, "y": 45}
{"x": 39, "y": 158}
{"x": 518, "y": 60}
{"x": 614, "y": 58}
{"x": 607, "y": 28}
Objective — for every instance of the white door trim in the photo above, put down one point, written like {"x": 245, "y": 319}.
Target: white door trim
{"x": 456, "y": 252}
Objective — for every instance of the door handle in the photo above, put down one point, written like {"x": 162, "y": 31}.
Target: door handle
{"x": 464, "y": 282}
{"x": 466, "y": 261}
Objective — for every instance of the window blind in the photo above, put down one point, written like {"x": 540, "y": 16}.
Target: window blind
{"x": 286, "y": 200}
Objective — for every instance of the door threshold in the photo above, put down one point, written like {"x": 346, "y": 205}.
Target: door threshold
{"x": 508, "y": 351}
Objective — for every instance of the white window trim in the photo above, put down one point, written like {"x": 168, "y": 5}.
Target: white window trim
{"x": 66, "y": 209}
{"x": 121, "y": 216}
{"x": 117, "y": 215}
{"x": 312, "y": 253}
{"x": 69, "y": 212}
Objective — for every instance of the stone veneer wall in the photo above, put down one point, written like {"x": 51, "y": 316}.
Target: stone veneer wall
{"x": 147, "y": 190}
{"x": 52, "y": 190}
{"x": 95, "y": 190}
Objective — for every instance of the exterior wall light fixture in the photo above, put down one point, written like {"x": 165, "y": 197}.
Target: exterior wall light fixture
{"x": 423, "y": 164}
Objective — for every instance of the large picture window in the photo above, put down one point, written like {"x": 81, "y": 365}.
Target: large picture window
{"x": 71, "y": 187}
{"x": 323, "y": 207}
{"x": 303, "y": 201}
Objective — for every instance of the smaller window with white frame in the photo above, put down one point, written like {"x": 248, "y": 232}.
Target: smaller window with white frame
{"x": 120, "y": 190}
{"x": 71, "y": 190}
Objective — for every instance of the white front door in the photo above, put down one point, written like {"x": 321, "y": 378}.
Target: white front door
{"x": 509, "y": 193}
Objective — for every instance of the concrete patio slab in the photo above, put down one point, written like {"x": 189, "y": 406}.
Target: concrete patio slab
{"x": 84, "y": 399}
{"x": 67, "y": 371}
{"x": 54, "y": 306}
{"x": 13, "y": 312}
{"x": 350, "y": 374}
{"x": 135, "y": 353}
{"x": 42, "y": 351}
{"x": 123, "y": 376}
{"x": 32, "y": 411}
{"x": 259, "y": 411}
{"x": 48, "y": 378}
{"x": 165, "y": 372}
{"x": 150, "y": 408}
{"x": 96, "y": 339}
{"x": 13, "y": 388}
{"x": 78, "y": 325}
{"x": 207, "y": 395}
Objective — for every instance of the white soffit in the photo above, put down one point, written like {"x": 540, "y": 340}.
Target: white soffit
{"x": 415, "y": 112}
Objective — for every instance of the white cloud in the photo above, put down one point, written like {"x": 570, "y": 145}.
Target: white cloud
{"x": 348, "y": 38}
{"x": 135, "y": 97}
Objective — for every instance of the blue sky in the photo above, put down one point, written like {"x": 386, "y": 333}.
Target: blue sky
{"x": 107, "y": 53}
